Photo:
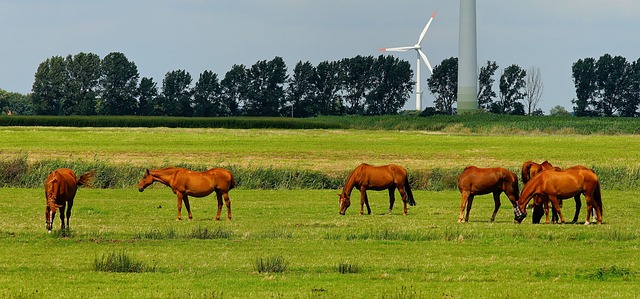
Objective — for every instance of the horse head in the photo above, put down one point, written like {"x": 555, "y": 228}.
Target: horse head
{"x": 519, "y": 214}
{"x": 345, "y": 202}
{"x": 146, "y": 180}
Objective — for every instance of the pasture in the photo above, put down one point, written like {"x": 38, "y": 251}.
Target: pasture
{"x": 425, "y": 254}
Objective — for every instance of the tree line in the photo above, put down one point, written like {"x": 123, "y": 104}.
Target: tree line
{"x": 85, "y": 84}
{"x": 607, "y": 86}
{"x": 519, "y": 90}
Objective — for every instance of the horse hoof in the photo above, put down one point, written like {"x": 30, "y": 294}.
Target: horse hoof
{"x": 586, "y": 223}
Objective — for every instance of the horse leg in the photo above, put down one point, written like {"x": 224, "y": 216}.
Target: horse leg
{"x": 179, "y": 195}
{"x": 219, "y": 198}
{"x": 392, "y": 199}
{"x": 364, "y": 200}
{"x": 554, "y": 215}
{"x": 496, "y": 201}
{"x": 556, "y": 206}
{"x": 469, "y": 203}
{"x": 592, "y": 209}
{"x": 465, "y": 196}
{"x": 62, "y": 214}
{"x": 578, "y": 207}
{"x": 69, "y": 212}
{"x": 227, "y": 202}
{"x": 403, "y": 195}
{"x": 188, "y": 206}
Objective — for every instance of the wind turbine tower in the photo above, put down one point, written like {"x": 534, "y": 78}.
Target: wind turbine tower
{"x": 421, "y": 56}
{"x": 468, "y": 58}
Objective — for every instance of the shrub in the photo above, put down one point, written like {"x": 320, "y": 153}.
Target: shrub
{"x": 347, "y": 268}
{"x": 272, "y": 264}
{"x": 120, "y": 262}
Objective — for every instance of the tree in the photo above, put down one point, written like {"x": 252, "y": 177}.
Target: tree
{"x": 328, "y": 98}
{"x": 207, "y": 100}
{"x": 49, "y": 86}
{"x": 234, "y": 88}
{"x": 302, "y": 90}
{"x": 485, "y": 85}
{"x": 533, "y": 89}
{"x": 175, "y": 99}
{"x": 584, "y": 80}
{"x": 356, "y": 76}
{"x": 265, "y": 94}
{"x": 83, "y": 70}
{"x": 559, "y": 111}
{"x": 443, "y": 84}
{"x": 119, "y": 81}
{"x": 147, "y": 95}
{"x": 512, "y": 85}
{"x": 631, "y": 99}
{"x": 612, "y": 82}
{"x": 15, "y": 103}
{"x": 391, "y": 86}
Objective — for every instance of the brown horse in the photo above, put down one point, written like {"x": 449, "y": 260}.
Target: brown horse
{"x": 553, "y": 186}
{"x": 366, "y": 177}
{"x": 60, "y": 189}
{"x": 479, "y": 181}
{"x": 185, "y": 183}
{"x": 531, "y": 169}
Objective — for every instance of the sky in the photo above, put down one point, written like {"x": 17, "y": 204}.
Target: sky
{"x": 160, "y": 36}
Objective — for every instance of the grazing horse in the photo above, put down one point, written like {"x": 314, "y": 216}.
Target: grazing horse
{"x": 185, "y": 183}
{"x": 479, "y": 181}
{"x": 553, "y": 186}
{"x": 60, "y": 189}
{"x": 366, "y": 177}
{"x": 530, "y": 170}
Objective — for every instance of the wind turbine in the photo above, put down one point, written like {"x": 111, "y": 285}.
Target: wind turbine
{"x": 421, "y": 56}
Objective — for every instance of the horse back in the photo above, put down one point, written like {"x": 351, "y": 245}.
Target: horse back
{"x": 62, "y": 183}
{"x": 480, "y": 181}
{"x": 379, "y": 177}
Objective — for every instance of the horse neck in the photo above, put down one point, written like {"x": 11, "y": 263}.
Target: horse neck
{"x": 163, "y": 176}
{"x": 348, "y": 186}
{"x": 527, "y": 192}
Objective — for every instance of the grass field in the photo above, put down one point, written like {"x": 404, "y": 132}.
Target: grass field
{"x": 323, "y": 150}
{"x": 425, "y": 254}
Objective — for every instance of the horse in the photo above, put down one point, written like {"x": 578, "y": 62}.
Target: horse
{"x": 60, "y": 189}
{"x": 531, "y": 169}
{"x": 184, "y": 183}
{"x": 554, "y": 185}
{"x": 366, "y": 177}
{"x": 479, "y": 181}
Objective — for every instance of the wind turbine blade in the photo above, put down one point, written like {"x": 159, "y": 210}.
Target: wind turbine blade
{"x": 426, "y": 61}
{"x": 424, "y": 31}
{"x": 397, "y": 49}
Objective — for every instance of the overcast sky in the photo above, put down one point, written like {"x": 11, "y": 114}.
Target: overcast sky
{"x": 197, "y": 35}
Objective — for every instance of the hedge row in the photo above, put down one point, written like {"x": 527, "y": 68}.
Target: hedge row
{"x": 484, "y": 123}
{"x": 17, "y": 172}
{"x": 170, "y": 122}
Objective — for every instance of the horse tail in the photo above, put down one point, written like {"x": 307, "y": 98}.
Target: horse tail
{"x": 407, "y": 188}
{"x": 598, "y": 196}
{"x": 86, "y": 179}
{"x": 232, "y": 183}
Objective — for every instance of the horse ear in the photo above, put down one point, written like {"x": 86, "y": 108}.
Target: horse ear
{"x": 147, "y": 172}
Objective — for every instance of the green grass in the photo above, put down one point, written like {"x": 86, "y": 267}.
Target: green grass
{"x": 424, "y": 254}
{"x": 327, "y": 151}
